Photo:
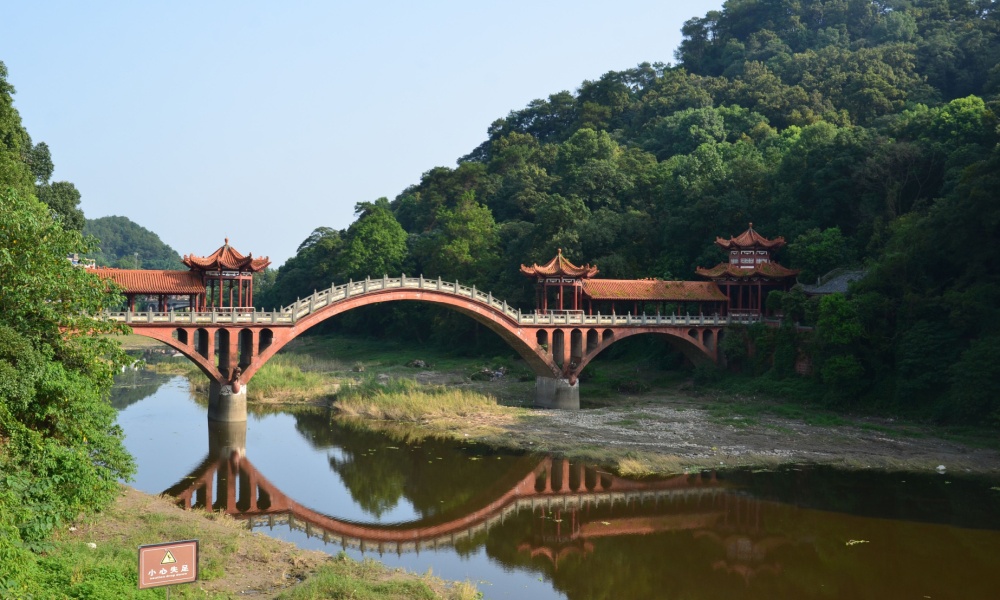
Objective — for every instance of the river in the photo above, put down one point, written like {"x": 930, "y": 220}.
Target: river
{"x": 528, "y": 526}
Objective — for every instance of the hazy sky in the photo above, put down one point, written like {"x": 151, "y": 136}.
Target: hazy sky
{"x": 261, "y": 121}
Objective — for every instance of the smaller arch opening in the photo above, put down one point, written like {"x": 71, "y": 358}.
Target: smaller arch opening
{"x": 558, "y": 346}
{"x": 540, "y": 480}
{"x": 181, "y": 335}
{"x": 542, "y": 338}
{"x": 246, "y": 348}
{"x": 576, "y": 346}
{"x": 201, "y": 342}
{"x": 264, "y": 340}
{"x": 222, "y": 350}
{"x": 593, "y": 340}
{"x": 693, "y": 334}
{"x": 575, "y": 477}
{"x": 607, "y": 335}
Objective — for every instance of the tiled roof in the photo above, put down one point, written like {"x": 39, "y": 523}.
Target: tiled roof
{"x": 750, "y": 239}
{"x": 769, "y": 269}
{"x": 226, "y": 257}
{"x": 559, "y": 267}
{"x": 653, "y": 289}
{"x": 835, "y": 285}
{"x": 140, "y": 281}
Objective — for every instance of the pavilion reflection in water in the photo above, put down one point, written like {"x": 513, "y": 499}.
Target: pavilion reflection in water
{"x": 569, "y": 506}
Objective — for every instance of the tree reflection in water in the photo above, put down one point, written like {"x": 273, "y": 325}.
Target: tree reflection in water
{"x": 595, "y": 535}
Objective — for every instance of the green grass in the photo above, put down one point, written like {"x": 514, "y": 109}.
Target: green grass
{"x": 69, "y": 568}
{"x": 286, "y": 377}
{"x": 407, "y": 400}
{"x": 358, "y": 580}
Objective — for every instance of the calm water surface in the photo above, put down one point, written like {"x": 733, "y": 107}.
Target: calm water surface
{"x": 527, "y": 526}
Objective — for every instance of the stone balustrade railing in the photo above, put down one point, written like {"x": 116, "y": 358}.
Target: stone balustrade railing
{"x": 288, "y": 315}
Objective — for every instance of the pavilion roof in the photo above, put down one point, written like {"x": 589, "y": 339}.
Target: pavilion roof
{"x": 559, "y": 267}
{"x": 653, "y": 290}
{"x": 226, "y": 257}
{"x": 770, "y": 270}
{"x": 142, "y": 281}
{"x": 750, "y": 239}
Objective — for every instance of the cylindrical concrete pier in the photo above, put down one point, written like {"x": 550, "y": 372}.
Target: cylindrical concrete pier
{"x": 224, "y": 405}
{"x": 556, "y": 393}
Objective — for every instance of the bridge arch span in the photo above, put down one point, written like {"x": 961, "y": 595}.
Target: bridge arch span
{"x": 523, "y": 340}
{"x": 694, "y": 348}
{"x": 186, "y": 346}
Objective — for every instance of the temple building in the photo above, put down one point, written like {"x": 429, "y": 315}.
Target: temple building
{"x": 158, "y": 288}
{"x": 750, "y": 273}
{"x": 562, "y": 277}
{"x": 228, "y": 276}
{"x": 222, "y": 280}
{"x": 576, "y": 290}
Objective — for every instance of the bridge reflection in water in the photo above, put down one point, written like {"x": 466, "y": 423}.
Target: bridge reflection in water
{"x": 568, "y": 506}
{"x": 594, "y": 535}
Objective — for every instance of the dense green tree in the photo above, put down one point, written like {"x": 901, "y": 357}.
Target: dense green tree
{"x": 63, "y": 199}
{"x": 464, "y": 246}
{"x": 817, "y": 252}
{"x": 374, "y": 245}
{"x": 60, "y": 452}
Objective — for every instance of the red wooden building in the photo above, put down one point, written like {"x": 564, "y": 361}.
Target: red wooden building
{"x": 576, "y": 289}
{"x": 221, "y": 280}
{"x": 228, "y": 276}
{"x": 562, "y": 277}
{"x": 750, "y": 273}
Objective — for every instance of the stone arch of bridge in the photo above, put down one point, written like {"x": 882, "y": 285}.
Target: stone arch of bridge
{"x": 230, "y": 482}
{"x": 206, "y": 364}
{"x": 699, "y": 348}
{"x": 521, "y": 339}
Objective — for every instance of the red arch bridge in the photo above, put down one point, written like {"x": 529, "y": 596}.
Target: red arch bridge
{"x": 229, "y": 347}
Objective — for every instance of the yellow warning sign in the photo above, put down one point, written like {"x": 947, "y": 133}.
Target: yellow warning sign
{"x": 168, "y": 558}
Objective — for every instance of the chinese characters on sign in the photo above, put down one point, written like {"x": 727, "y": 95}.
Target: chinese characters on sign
{"x": 168, "y": 564}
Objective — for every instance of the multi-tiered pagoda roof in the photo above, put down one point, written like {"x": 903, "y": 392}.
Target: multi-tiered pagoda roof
{"x": 559, "y": 266}
{"x": 226, "y": 258}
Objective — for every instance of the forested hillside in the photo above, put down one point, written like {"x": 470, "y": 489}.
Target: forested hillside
{"x": 127, "y": 245}
{"x": 863, "y": 132}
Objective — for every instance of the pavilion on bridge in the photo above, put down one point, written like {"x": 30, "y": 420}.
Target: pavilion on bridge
{"x": 738, "y": 287}
{"x": 751, "y": 272}
{"x": 575, "y": 288}
{"x": 222, "y": 280}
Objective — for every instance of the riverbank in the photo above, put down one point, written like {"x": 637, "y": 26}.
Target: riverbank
{"x": 666, "y": 424}
{"x": 96, "y": 557}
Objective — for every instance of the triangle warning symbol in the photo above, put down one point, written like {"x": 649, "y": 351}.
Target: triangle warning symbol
{"x": 168, "y": 558}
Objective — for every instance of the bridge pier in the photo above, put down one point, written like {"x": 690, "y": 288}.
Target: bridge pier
{"x": 557, "y": 393}
{"x": 225, "y": 405}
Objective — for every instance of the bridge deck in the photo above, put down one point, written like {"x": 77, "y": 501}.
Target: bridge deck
{"x": 289, "y": 315}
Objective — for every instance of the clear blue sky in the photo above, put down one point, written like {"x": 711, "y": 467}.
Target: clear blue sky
{"x": 261, "y": 121}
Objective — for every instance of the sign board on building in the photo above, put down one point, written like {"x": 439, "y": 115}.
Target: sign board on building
{"x": 169, "y": 563}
